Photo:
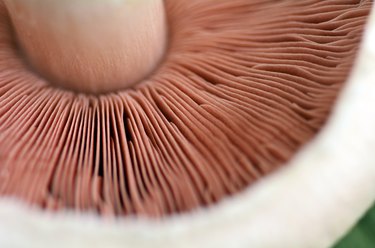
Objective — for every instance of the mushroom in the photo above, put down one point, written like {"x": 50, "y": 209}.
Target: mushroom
{"x": 241, "y": 87}
{"x": 101, "y": 46}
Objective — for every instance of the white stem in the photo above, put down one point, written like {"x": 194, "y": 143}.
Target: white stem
{"x": 92, "y": 46}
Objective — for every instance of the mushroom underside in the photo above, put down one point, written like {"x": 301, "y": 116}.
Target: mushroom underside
{"x": 243, "y": 86}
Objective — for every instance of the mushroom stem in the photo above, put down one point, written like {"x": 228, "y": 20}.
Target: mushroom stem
{"x": 91, "y": 46}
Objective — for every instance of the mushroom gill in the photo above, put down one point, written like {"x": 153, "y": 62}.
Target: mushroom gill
{"x": 243, "y": 85}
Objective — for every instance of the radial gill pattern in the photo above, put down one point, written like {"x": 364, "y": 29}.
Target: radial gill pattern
{"x": 243, "y": 85}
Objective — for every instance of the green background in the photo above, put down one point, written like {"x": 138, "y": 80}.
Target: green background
{"x": 362, "y": 235}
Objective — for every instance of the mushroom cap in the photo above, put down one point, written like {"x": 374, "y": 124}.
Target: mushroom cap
{"x": 307, "y": 196}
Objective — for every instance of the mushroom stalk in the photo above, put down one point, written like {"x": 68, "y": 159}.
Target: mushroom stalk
{"x": 90, "y": 46}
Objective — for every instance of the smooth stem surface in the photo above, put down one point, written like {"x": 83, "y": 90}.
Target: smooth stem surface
{"x": 91, "y": 46}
